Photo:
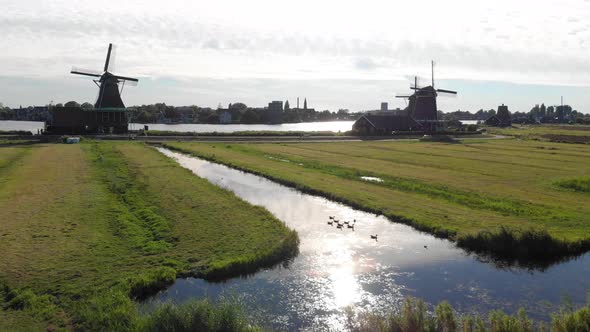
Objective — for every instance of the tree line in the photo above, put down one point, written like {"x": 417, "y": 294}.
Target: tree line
{"x": 537, "y": 114}
{"x": 240, "y": 113}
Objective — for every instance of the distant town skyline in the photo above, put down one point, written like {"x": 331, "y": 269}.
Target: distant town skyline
{"x": 338, "y": 55}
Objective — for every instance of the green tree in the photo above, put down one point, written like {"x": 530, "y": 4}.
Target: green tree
{"x": 238, "y": 106}
{"x": 71, "y": 103}
{"x": 250, "y": 116}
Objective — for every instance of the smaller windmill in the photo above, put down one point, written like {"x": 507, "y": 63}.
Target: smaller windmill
{"x": 422, "y": 103}
{"x": 109, "y": 95}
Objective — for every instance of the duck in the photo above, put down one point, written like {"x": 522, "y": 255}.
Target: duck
{"x": 374, "y": 236}
{"x": 425, "y": 247}
{"x": 339, "y": 226}
{"x": 346, "y": 222}
{"x": 330, "y": 222}
{"x": 331, "y": 217}
{"x": 350, "y": 226}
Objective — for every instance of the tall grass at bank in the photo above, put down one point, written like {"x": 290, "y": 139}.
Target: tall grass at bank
{"x": 197, "y": 315}
{"x": 581, "y": 184}
{"x": 524, "y": 247}
{"x": 414, "y": 317}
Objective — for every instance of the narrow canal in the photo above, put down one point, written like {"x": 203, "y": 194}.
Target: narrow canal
{"x": 339, "y": 268}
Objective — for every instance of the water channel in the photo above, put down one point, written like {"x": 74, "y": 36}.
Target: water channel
{"x": 337, "y": 268}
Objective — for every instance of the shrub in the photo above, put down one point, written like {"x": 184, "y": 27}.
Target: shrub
{"x": 110, "y": 310}
{"x": 572, "y": 321}
{"x": 581, "y": 184}
{"x": 197, "y": 316}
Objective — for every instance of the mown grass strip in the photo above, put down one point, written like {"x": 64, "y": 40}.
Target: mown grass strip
{"x": 104, "y": 231}
{"x": 472, "y": 200}
{"x": 137, "y": 221}
{"x": 10, "y": 156}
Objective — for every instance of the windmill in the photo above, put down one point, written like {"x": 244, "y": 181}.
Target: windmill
{"x": 422, "y": 103}
{"x": 109, "y": 95}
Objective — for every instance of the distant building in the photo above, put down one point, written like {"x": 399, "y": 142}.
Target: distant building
{"x": 275, "y": 106}
{"x": 225, "y": 117}
{"x": 501, "y": 119}
{"x": 384, "y": 107}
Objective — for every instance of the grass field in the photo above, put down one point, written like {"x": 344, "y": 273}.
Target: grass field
{"x": 505, "y": 196}
{"x": 87, "y": 228}
{"x": 547, "y": 132}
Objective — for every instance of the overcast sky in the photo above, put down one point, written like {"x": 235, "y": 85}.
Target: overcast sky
{"x": 338, "y": 54}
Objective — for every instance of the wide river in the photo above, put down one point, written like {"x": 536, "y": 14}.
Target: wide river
{"x": 340, "y": 268}
{"x": 335, "y": 126}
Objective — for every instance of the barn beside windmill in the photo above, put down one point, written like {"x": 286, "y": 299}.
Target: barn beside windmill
{"x": 387, "y": 122}
{"x": 109, "y": 114}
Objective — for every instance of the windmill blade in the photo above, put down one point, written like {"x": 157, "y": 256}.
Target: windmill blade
{"x": 124, "y": 78}
{"x": 109, "y": 63}
{"x": 446, "y": 91}
{"x": 113, "y": 59}
{"x": 129, "y": 83}
{"x": 85, "y": 72}
{"x": 416, "y": 81}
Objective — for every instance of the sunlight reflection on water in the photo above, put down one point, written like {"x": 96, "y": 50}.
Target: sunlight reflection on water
{"x": 337, "y": 268}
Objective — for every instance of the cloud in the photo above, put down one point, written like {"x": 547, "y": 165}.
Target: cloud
{"x": 211, "y": 43}
{"x": 262, "y": 39}
{"x": 365, "y": 64}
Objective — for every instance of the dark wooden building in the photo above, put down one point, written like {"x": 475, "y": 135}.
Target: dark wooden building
{"x": 76, "y": 120}
{"x": 385, "y": 123}
{"x": 501, "y": 119}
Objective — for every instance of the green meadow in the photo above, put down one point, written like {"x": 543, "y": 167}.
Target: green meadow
{"x": 559, "y": 133}
{"x": 88, "y": 229}
{"x": 506, "y": 198}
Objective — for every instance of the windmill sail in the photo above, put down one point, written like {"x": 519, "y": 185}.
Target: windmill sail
{"x": 109, "y": 95}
